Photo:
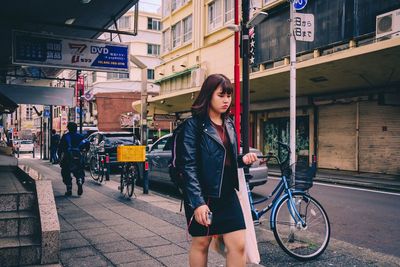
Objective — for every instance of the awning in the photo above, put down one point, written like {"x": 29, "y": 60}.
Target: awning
{"x": 176, "y": 74}
{"x": 39, "y": 95}
{"x": 177, "y": 101}
{"x": 6, "y": 104}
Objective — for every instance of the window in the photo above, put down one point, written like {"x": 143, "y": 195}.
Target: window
{"x": 153, "y": 24}
{"x": 187, "y": 29}
{"x": 117, "y": 75}
{"x": 153, "y": 49}
{"x": 228, "y": 10}
{"x": 124, "y": 22}
{"x": 214, "y": 15}
{"x": 150, "y": 74}
{"x": 176, "y": 34}
{"x": 166, "y": 41}
{"x": 165, "y": 7}
{"x": 94, "y": 76}
{"x": 28, "y": 114}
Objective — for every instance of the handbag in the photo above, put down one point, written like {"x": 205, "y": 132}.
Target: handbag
{"x": 251, "y": 246}
{"x": 252, "y": 253}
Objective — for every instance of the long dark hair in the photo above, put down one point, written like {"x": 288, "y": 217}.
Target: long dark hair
{"x": 201, "y": 105}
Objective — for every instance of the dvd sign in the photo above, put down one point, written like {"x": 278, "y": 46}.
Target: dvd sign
{"x": 32, "y": 49}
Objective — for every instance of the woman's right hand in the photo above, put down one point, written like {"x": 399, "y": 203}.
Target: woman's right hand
{"x": 201, "y": 214}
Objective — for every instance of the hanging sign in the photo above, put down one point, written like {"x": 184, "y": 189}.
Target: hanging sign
{"x": 32, "y": 49}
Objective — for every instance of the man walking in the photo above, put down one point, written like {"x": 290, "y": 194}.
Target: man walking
{"x": 54, "y": 141}
{"x": 71, "y": 160}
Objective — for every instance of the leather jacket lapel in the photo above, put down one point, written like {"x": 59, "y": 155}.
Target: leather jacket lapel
{"x": 211, "y": 131}
{"x": 231, "y": 133}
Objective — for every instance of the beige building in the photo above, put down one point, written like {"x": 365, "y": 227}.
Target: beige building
{"x": 192, "y": 47}
{"x": 348, "y": 81}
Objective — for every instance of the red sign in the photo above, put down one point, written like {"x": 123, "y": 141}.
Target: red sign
{"x": 79, "y": 88}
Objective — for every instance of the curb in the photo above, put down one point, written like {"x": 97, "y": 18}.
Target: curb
{"x": 351, "y": 182}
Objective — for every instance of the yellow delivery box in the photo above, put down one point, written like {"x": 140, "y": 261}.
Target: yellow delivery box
{"x": 131, "y": 153}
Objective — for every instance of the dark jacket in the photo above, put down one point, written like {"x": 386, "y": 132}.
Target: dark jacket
{"x": 76, "y": 142}
{"x": 203, "y": 159}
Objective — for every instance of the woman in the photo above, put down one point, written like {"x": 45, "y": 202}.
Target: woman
{"x": 210, "y": 162}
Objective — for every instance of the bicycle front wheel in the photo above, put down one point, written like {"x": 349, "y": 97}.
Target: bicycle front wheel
{"x": 131, "y": 179}
{"x": 301, "y": 241}
{"x": 94, "y": 168}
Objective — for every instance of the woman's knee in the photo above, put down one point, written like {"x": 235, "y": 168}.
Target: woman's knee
{"x": 201, "y": 243}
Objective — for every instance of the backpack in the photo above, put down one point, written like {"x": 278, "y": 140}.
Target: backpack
{"x": 73, "y": 155}
{"x": 176, "y": 163}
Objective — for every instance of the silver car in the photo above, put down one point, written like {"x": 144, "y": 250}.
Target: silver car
{"x": 160, "y": 153}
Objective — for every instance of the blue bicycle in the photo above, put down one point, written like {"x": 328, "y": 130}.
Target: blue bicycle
{"x": 299, "y": 222}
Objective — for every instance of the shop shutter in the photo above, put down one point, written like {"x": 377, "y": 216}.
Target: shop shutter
{"x": 379, "y": 140}
{"x": 337, "y": 137}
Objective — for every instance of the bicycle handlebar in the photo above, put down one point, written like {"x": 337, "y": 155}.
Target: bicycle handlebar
{"x": 270, "y": 155}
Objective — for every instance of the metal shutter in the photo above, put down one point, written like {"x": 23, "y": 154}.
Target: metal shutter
{"x": 337, "y": 137}
{"x": 379, "y": 138}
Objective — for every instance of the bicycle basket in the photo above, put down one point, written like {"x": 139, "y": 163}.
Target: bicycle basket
{"x": 304, "y": 175}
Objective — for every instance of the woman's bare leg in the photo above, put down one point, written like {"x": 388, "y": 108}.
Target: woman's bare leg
{"x": 235, "y": 244}
{"x": 198, "y": 253}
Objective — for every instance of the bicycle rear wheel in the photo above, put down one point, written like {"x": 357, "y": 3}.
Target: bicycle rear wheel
{"x": 303, "y": 242}
{"x": 94, "y": 168}
{"x": 122, "y": 179}
{"x": 133, "y": 174}
{"x": 101, "y": 172}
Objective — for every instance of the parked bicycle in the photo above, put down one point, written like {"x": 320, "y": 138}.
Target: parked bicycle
{"x": 129, "y": 176}
{"x": 99, "y": 167}
{"x": 299, "y": 222}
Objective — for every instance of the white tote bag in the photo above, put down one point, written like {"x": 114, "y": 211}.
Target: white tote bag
{"x": 252, "y": 253}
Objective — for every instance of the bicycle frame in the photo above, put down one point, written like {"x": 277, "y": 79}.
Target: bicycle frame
{"x": 279, "y": 194}
{"x": 281, "y": 191}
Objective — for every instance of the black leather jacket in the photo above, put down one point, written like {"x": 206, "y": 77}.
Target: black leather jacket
{"x": 203, "y": 158}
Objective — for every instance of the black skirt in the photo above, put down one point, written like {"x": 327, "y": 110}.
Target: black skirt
{"x": 227, "y": 212}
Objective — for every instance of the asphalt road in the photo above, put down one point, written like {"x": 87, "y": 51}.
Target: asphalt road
{"x": 364, "y": 218}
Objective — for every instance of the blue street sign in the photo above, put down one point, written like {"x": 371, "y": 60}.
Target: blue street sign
{"x": 46, "y": 112}
{"x": 299, "y": 4}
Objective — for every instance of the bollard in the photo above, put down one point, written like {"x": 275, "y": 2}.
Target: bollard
{"x": 145, "y": 178}
{"x": 107, "y": 167}
{"x": 33, "y": 153}
{"x": 18, "y": 152}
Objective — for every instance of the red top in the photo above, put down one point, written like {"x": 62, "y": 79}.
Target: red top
{"x": 225, "y": 140}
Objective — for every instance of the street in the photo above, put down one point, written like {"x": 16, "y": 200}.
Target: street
{"x": 163, "y": 204}
{"x": 360, "y": 217}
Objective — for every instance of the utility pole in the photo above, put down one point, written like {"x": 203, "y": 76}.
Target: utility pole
{"x": 237, "y": 75}
{"x": 79, "y": 88}
{"x": 50, "y": 128}
{"x": 245, "y": 80}
{"x": 292, "y": 93}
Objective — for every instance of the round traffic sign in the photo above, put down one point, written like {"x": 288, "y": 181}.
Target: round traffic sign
{"x": 299, "y": 4}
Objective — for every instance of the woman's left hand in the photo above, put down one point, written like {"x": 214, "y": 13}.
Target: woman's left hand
{"x": 249, "y": 158}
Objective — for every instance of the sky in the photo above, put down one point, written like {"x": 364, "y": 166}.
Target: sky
{"x": 149, "y": 5}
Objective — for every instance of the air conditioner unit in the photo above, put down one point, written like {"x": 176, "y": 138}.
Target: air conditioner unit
{"x": 197, "y": 77}
{"x": 388, "y": 24}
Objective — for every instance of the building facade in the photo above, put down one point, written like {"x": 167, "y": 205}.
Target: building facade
{"x": 108, "y": 95}
{"x": 348, "y": 106}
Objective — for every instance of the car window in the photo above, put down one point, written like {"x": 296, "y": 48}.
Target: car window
{"x": 159, "y": 145}
{"x": 168, "y": 145}
{"x": 26, "y": 142}
{"x": 119, "y": 140}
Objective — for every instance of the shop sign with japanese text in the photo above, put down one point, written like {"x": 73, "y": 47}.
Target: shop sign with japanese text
{"x": 303, "y": 27}
{"x": 34, "y": 49}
